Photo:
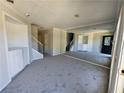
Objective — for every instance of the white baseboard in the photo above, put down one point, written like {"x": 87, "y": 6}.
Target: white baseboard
{"x": 11, "y": 79}
{"x": 5, "y": 85}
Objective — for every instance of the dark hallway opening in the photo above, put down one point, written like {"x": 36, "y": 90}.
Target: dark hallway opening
{"x": 70, "y": 38}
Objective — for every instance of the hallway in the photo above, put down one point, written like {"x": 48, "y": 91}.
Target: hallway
{"x": 60, "y": 74}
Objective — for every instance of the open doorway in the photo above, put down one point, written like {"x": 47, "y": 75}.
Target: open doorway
{"x": 70, "y": 41}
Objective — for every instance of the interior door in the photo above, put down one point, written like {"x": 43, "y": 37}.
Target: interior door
{"x": 107, "y": 44}
{"x": 116, "y": 83}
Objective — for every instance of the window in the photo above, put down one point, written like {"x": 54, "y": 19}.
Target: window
{"x": 107, "y": 41}
{"x": 85, "y": 39}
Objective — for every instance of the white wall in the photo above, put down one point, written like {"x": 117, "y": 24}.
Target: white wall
{"x": 55, "y": 41}
{"x": 17, "y": 34}
{"x": 97, "y": 40}
{"x": 17, "y": 39}
{"x": 90, "y": 38}
{"x": 63, "y": 41}
{"x": 94, "y": 40}
{"x": 34, "y": 31}
{"x": 16, "y": 62}
{"x": 4, "y": 73}
{"x": 49, "y": 41}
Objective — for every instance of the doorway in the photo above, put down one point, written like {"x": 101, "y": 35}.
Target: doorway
{"x": 107, "y": 44}
{"x": 70, "y": 41}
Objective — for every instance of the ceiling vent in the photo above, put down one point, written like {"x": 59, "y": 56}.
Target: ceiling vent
{"x": 10, "y": 1}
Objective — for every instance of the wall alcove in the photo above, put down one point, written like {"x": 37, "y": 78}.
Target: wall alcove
{"x": 16, "y": 36}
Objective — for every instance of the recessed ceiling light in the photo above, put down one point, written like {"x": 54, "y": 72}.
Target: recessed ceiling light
{"x": 27, "y": 14}
{"x": 76, "y": 15}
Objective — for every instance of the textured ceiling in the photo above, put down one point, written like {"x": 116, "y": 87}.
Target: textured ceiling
{"x": 60, "y": 13}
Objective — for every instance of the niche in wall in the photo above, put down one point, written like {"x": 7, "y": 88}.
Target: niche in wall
{"x": 17, "y": 44}
{"x": 17, "y": 35}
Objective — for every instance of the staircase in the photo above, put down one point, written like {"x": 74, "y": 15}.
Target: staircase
{"x": 37, "y": 49}
{"x": 69, "y": 47}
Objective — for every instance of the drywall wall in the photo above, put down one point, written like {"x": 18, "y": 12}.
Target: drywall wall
{"x": 63, "y": 41}
{"x": 55, "y": 41}
{"x": 34, "y": 31}
{"x": 90, "y": 41}
{"x": 93, "y": 29}
{"x": 49, "y": 41}
{"x": 94, "y": 40}
{"x": 17, "y": 35}
{"x": 97, "y": 41}
{"x": 4, "y": 73}
{"x": 16, "y": 62}
{"x": 17, "y": 39}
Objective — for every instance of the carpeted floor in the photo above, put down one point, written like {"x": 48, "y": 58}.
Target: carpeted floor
{"x": 60, "y": 74}
{"x": 100, "y": 59}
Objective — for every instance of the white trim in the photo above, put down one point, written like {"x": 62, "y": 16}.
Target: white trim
{"x": 11, "y": 79}
{"x": 114, "y": 54}
{"x": 18, "y": 13}
{"x": 6, "y": 44}
{"x": 93, "y": 24}
{"x": 5, "y": 85}
{"x": 4, "y": 14}
{"x": 14, "y": 18}
{"x": 88, "y": 62}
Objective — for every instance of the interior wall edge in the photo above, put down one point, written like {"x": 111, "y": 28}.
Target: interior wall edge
{"x": 5, "y": 85}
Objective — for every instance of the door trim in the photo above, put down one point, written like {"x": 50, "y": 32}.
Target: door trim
{"x": 111, "y": 88}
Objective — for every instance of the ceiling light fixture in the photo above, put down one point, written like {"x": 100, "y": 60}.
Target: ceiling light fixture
{"x": 27, "y": 14}
{"x": 76, "y": 15}
{"x": 10, "y": 1}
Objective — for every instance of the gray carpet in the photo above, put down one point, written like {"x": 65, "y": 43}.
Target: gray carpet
{"x": 92, "y": 57}
{"x": 60, "y": 74}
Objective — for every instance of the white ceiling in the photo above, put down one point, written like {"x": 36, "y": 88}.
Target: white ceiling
{"x": 60, "y": 13}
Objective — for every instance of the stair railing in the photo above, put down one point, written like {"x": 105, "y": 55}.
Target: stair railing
{"x": 69, "y": 46}
{"x": 38, "y": 42}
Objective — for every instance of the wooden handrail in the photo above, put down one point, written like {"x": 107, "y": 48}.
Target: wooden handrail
{"x": 34, "y": 38}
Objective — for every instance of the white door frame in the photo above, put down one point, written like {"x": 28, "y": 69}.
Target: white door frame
{"x": 115, "y": 58}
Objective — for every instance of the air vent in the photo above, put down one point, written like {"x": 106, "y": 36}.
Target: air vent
{"x": 10, "y": 1}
